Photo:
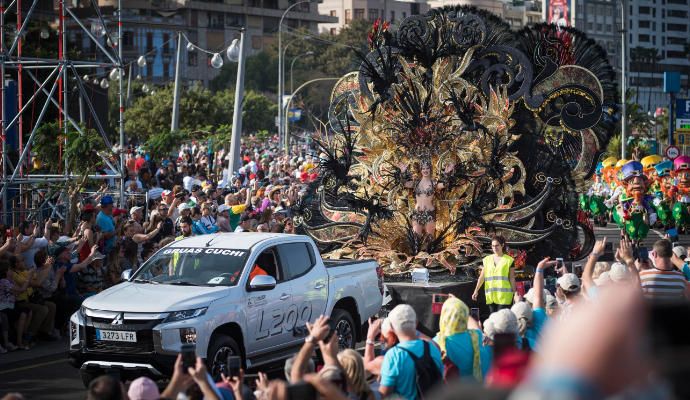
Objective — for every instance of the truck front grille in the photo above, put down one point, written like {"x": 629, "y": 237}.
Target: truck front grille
{"x": 144, "y": 344}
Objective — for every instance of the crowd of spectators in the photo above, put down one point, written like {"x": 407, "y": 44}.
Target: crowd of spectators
{"x": 47, "y": 267}
{"x": 588, "y": 339}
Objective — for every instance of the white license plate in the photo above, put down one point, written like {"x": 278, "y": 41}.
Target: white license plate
{"x": 116, "y": 336}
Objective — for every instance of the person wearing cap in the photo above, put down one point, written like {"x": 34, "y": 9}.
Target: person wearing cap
{"x": 567, "y": 292}
{"x": 172, "y": 202}
{"x": 244, "y": 225}
{"x": 537, "y": 316}
{"x": 398, "y": 372}
{"x": 223, "y": 220}
{"x": 136, "y": 214}
{"x": 498, "y": 276}
{"x": 143, "y": 388}
{"x": 207, "y": 220}
{"x": 106, "y": 223}
{"x": 183, "y": 210}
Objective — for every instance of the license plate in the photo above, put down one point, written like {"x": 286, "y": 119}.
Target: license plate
{"x": 116, "y": 336}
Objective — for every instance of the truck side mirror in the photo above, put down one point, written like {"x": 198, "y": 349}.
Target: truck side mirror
{"x": 262, "y": 282}
{"x": 126, "y": 274}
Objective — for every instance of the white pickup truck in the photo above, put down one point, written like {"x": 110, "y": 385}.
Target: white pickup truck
{"x": 198, "y": 290}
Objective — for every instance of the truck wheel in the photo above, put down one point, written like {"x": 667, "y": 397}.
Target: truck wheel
{"x": 344, "y": 328}
{"x": 221, "y": 347}
{"x": 88, "y": 376}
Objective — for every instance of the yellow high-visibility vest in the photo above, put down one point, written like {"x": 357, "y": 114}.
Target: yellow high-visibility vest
{"x": 497, "y": 280}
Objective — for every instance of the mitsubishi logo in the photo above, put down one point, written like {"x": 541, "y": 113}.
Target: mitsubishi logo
{"x": 119, "y": 319}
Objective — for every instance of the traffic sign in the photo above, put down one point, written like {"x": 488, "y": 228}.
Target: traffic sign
{"x": 683, "y": 124}
{"x": 672, "y": 152}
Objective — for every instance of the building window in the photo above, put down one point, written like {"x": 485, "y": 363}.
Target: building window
{"x": 392, "y": 16}
{"x": 600, "y": 28}
{"x": 149, "y": 41}
{"x": 643, "y": 38}
{"x": 677, "y": 27}
{"x": 404, "y": 14}
{"x": 590, "y": 26}
{"x": 677, "y": 13}
{"x": 643, "y": 24}
{"x": 333, "y": 13}
{"x": 644, "y": 10}
{"x": 166, "y": 70}
{"x": 127, "y": 39}
{"x": 167, "y": 43}
{"x": 414, "y": 8}
{"x": 676, "y": 40}
{"x": 359, "y": 14}
{"x": 192, "y": 58}
{"x": 675, "y": 54}
{"x": 683, "y": 2}
{"x": 373, "y": 14}
{"x": 334, "y": 31}
{"x": 216, "y": 20}
{"x": 348, "y": 16}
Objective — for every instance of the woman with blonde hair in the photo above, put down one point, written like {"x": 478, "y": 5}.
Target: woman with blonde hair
{"x": 353, "y": 365}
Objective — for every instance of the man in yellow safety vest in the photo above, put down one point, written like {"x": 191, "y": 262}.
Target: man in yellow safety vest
{"x": 498, "y": 276}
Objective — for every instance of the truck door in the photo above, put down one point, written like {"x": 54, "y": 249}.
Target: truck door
{"x": 309, "y": 285}
{"x": 266, "y": 310}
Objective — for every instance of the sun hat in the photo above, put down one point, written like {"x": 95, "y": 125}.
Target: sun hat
{"x": 403, "y": 318}
{"x": 569, "y": 282}
{"x": 143, "y": 388}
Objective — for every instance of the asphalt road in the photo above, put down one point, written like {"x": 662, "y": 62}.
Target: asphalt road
{"x": 44, "y": 373}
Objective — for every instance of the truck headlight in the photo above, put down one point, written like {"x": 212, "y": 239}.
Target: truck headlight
{"x": 82, "y": 313}
{"x": 72, "y": 331}
{"x": 186, "y": 314}
{"x": 188, "y": 335}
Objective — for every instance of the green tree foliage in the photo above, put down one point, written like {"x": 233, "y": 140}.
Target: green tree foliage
{"x": 260, "y": 74}
{"x": 81, "y": 150}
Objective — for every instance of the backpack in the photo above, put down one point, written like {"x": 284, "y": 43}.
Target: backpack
{"x": 428, "y": 375}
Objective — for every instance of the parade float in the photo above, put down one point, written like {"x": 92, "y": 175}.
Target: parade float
{"x": 456, "y": 128}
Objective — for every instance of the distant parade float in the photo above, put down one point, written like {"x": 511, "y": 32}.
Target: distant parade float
{"x": 638, "y": 195}
{"x": 453, "y": 129}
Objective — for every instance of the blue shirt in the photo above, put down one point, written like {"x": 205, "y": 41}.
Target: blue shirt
{"x": 533, "y": 333}
{"x": 686, "y": 271}
{"x": 70, "y": 278}
{"x": 107, "y": 224}
{"x": 398, "y": 371}
{"x": 459, "y": 350}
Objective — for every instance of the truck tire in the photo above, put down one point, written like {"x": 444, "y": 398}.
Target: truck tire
{"x": 344, "y": 328}
{"x": 87, "y": 376}
{"x": 220, "y": 348}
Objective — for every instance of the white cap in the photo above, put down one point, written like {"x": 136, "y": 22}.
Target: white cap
{"x": 222, "y": 208}
{"x": 403, "y": 318}
{"x": 500, "y": 322}
{"x": 551, "y": 302}
{"x": 184, "y": 206}
{"x": 618, "y": 272}
{"x": 529, "y": 296}
{"x": 603, "y": 278}
{"x": 680, "y": 252}
{"x": 569, "y": 282}
{"x": 522, "y": 310}
{"x": 135, "y": 209}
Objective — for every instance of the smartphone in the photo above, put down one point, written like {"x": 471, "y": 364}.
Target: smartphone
{"x": 331, "y": 331}
{"x": 560, "y": 265}
{"x": 234, "y": 365}
{"x": 188, "y": 352}
{"x": 642, "y": 253}
{"x": 577, "y": 270}
{"x": 9, "y": 233}
{"x": 301, "y": 391}
{"x": 474, "y": 313}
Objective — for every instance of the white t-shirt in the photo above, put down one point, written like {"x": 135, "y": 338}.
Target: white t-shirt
{"x": 39, "y": 243}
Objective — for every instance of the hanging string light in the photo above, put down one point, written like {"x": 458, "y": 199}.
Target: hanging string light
{"x": 141, "y": 61}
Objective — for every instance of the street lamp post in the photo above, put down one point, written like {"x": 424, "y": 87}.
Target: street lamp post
{"x": 175, "y": 123}
{"x": 287, "y": 107}
{"x": 237, "y": 50}
{"x": 281, "y": 114}
{"x": 292, "y": 65}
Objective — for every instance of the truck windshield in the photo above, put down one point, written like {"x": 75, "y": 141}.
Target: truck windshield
{"x": 193, "y": 266}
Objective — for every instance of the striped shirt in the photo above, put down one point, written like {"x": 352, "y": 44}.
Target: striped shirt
{"x": 663, "y": 285}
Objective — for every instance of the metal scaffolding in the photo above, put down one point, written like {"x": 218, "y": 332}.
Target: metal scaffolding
{"x": 63, "y": 71}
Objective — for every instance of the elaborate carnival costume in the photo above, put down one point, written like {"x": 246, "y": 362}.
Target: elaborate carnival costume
{"x": 681, "y": 173}
{"x": 663, "y": 190}
{"x": 634, "y": 211}
{"x": 596, "y": 196}
{"x": 508, "y": 124}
